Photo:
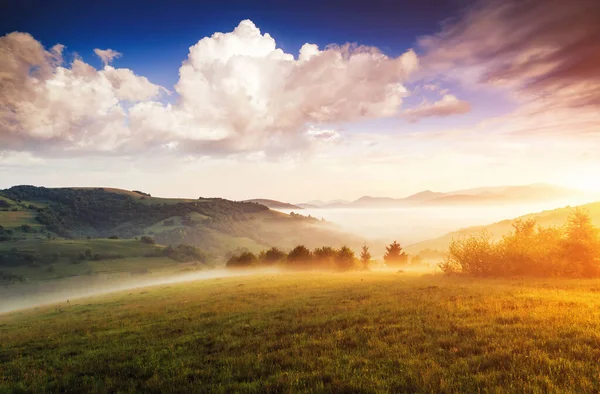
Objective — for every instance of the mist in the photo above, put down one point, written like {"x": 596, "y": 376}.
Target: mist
{"x": 29, "y": 295}
{"x": 410, "y": 225}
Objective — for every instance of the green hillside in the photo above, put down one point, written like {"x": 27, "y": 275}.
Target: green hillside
{"x": 73, "y": 228}
{"x": 550, "y": 218}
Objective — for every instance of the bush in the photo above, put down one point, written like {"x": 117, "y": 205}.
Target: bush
{"x": 300, "y": 256}
{"x": 185, "y": 253}
{"x": 475, "y": 255}
{"x": 112, "y": 237}
{"x": 147, "y": 240}
{"x": 324, "y": 257}
{"x": 344, "y": 259}
{"x": 529, "y": 250}
{"x": 244, "y": 260}
{"x": 272, "y": 256}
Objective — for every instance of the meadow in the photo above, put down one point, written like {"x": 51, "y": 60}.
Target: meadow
{"x": 313, "y": 332}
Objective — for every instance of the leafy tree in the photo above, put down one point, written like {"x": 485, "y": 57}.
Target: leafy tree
{"x": 184, "y": 254}
{"x": 244, "y": 260}
{"x": 416, "y": 260}
{"x": 345, "y": 259}
{"x": 324, "y": 257}
{"x": 476, "y": 255}
{"x": 147, "y": 240}
{"x": 394, "y": 255}
{"x": 582, "y": 244}
{"x": 272, "y": 256}
{"x": 300, "y": 256}
{"x": 365, "y": 257}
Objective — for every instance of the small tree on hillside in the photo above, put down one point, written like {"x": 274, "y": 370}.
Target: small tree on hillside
{"x": 365, "y": 257}
{"x": 394, "y": 255}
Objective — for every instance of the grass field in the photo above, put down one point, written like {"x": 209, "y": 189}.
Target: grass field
{"x": 313, "y": 332}
{"x": 68, "y": 247}
{"x": 13, "y": 219}
{"x": 131, "y": 258}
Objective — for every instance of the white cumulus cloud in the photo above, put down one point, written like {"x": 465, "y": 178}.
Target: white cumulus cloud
{"x": 237, "y": 92}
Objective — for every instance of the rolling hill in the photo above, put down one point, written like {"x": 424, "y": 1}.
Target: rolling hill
{"x": 555, "y": 217}
{"x": 215, "y": 225}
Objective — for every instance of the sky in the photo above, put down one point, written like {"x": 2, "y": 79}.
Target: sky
{"x": 299, "y": 101}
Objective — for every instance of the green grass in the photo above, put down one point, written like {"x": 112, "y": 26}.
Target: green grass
{"x": 360, "y": 332}
{"x": 124, "y": 247}
{"x": 232, "y": 243}
{"x": 131, "y": 259}
{"x": 63, "y": 269}
{"x": 12, "y": 219}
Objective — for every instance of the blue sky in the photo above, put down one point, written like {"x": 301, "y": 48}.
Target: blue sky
{"x": 437, "y": 94}
{"x": 154, "y": 36}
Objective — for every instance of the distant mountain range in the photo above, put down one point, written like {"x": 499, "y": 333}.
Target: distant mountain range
{"x": 538, "y": 192}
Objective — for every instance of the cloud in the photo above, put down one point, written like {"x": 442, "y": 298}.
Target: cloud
{"x": 448, "y": 105}
{"x": 47, "y": 107}
{"x": 107, "y": 55}
{"x": 237, "y": 92}
{"x": 548, "y": 51}
{"x": 245, "y": 92}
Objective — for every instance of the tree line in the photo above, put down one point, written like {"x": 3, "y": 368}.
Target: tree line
{"x": 570, "y": 250}
{"x": 325, "y": 257}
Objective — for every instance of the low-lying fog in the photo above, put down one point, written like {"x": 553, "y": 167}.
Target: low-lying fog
{"x": 414, "y": 224}
{"x": 406, "y": 225}
{"x": 58, "y": 291}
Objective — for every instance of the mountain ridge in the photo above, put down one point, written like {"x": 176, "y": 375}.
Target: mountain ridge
{"x": 475, "y": 196}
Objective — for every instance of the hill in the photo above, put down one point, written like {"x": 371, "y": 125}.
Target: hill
{"x": 215, "y": 225}
{"x": 555, "y": 217}
{"x": 312, "y": 332}
{"x": 273, "y": 204}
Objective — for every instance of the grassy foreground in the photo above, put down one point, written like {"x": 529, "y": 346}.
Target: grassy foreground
{"x": 313, "y": 332}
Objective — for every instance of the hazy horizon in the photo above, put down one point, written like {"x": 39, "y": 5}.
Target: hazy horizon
{"x": 243, "y": 104}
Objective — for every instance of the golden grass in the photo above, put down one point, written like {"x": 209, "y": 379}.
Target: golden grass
{"x": 313, "y": 332}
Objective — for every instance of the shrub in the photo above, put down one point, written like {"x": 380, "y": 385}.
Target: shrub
{"x": 184, "y": 253}
{"x": 244, "y": 260}
{"x": 272, "y": 256}
{"x": 300, "y": 256}
{"x": 344, "y": 259}
{"x": 529, "y": 250}
{"x": 475, "y": 255}
{"x": 147, "y": 240}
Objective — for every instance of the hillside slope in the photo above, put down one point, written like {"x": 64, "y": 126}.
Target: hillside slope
{"x": 215, "y": 225}
{"x": 555, "y": 217}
